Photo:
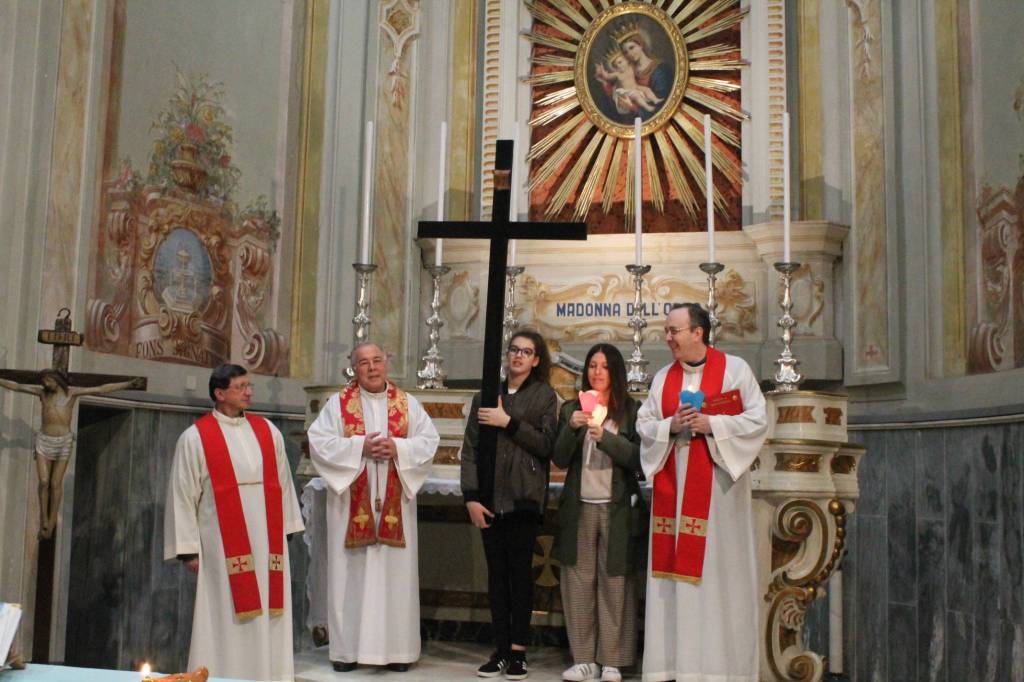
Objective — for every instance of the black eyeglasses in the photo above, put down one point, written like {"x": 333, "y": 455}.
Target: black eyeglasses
{"x": 525, "y": 352}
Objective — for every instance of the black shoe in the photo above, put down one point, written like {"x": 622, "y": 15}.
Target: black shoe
{"x": 344, "y": 666}
{"x": 516, "y": 669}
{"x": 494, "y": 666}
{"x": 320, "y": 636}
{"x": 398, "y": 667}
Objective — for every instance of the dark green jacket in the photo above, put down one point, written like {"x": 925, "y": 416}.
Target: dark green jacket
{"x": 627, "y": 512}
{"x": 523, "y": 450}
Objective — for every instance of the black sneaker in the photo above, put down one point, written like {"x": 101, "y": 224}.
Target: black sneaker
{"x": 494, "y": 666}
{"x": 516, "y": 669}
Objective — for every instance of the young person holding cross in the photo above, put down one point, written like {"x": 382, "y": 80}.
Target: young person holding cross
{"x": 506, "y": 493}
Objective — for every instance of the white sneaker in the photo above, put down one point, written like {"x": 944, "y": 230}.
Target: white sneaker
{"x": 610, "y": 674}
{"x": 581, "y": 672}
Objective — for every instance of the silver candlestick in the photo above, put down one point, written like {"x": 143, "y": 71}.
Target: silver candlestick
{"x": 711, "y": 270}
{"x": 432, "y": 375}
{"x": 787, "y": 378}
{"x": 361, "y": 320}
{"x": 509, "y": 322}
{"x": 637, "y": 377}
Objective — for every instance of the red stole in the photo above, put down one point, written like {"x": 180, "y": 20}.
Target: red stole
{"x": 361, "y": 530}
{"x": 241, "y": 568}
{"x": 679, "y": 554}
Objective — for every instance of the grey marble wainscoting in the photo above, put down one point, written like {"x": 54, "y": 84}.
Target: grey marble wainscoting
{"x": 127, "y": 605}
{"x": 934, "y": 571}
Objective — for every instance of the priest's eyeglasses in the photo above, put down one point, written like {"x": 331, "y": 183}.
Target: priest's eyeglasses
{"x": 525, "y": 352}
{"x": 672, "y": 331}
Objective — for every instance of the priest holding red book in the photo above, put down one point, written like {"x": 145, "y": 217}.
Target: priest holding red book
{"x": 230, "y": 505}
{"x": 702, "y": 426}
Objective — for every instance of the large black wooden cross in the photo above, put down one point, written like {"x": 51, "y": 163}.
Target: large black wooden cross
{"x": 499, "y": 230}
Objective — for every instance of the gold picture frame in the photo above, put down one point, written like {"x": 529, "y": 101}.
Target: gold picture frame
{"x": 634, "y": 59}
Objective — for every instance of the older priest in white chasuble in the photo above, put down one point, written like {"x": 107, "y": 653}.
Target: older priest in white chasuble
{"x": 701, "y": 426}
{"x": 373, "y": 444}
{"x": 230, "y": 504}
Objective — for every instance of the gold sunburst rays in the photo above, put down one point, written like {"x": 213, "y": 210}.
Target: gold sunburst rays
{"x": 551, "y": 41}
{"x": 569, "y": 11}
{"x": 554, "y": 60}
{"x": 725, "y": 164}
{"x": 695, "y": 166}
{"x": 540, "y": 13}
{"x": 572, "y": 179}
{"x": 717, "y": 50}
{"x": 713, "y": 10}
{"x": 586, "y": 195}
{"x": 557, "y": 96}
{"x": 550, "y": 77}
{"x": 554, "y": 137}
{"x": 582, "y": 131}
{"x": 560, "y": 155}
{"x": 716, "y": 84}
{"x": 612, "y": 177}
{"x": 718, "y": 26}
{"x": 554, "y": 113}
{"x": 675, "y": 174}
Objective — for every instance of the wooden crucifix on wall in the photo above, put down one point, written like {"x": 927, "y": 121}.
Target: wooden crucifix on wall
{"x": 499, "y": 231}
{"x": 58, "y": 390}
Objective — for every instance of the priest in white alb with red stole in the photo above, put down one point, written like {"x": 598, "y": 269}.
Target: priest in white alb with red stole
{"x": 230, "y": 505}
{"x": 702, "y": 607}
{"x": 373, "y": 445}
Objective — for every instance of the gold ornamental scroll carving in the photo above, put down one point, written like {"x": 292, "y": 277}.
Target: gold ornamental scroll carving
{"x": 807, "y": 545}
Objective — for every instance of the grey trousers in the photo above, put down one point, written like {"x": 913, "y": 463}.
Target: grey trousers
{"x": 600, "y": 610}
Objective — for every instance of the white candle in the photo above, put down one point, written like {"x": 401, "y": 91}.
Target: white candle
{"x": 441, "y": 181}
{"x": 364, "y": 242}
{"x": 709, "y": 187}
{"x": 637, "y": 191}
{"x": 144, "y": 671}
{"x": 513, "y": 195}
{"x": 785, "y": 187}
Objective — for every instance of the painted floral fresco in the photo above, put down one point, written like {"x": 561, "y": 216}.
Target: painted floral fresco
{"x": 193, "y": 262}
{"x": 193, "y": 141}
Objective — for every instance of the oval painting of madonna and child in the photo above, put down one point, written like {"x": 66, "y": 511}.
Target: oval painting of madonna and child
{"x": 632, "y": 62}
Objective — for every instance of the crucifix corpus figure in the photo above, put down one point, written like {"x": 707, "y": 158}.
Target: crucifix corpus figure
{"x": 58, "y": 391}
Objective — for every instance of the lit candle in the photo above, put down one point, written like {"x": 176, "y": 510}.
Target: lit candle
{"x": 364, "y": 242}
{"x": 709, "y": 188}
{"x": 637, "y": 191}
{"x": 144, "y": 671}
{"x": 785, "y": 187}
{"x": 438, "y": 250}
{"x": 513, "y": 195}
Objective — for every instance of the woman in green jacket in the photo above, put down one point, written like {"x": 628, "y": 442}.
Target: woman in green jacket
{"x": 601, "y": 539}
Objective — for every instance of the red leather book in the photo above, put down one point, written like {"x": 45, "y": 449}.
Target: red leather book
{"x": 728, "y": 403}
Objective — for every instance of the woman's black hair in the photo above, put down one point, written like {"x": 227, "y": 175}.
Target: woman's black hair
{"x": 618, "y": 396}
